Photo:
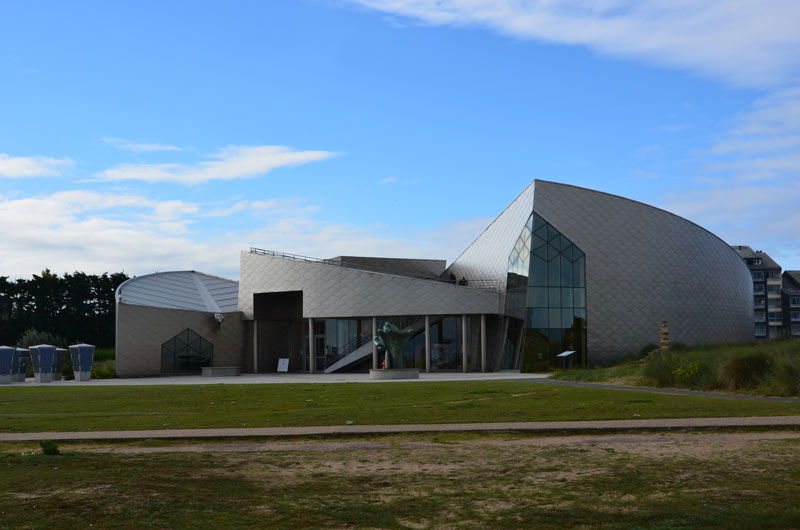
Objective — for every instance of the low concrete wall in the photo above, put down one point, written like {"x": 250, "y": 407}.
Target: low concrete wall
{"x": 396, "y": 373}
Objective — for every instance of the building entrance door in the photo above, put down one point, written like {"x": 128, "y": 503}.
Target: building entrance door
{"x": 319, "y": 352}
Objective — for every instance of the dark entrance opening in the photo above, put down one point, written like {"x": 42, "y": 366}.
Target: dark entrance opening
{"x": 278, "y": 327}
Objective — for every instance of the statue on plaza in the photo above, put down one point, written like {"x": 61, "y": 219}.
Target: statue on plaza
{"x": 391, "y": 339}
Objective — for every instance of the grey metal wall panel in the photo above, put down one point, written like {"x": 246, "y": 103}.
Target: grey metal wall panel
{"x": 645, "y": 265}
{"x": 403, "y": 266}
{"x": 331, "y": 291}
{"x": 142, "y": 330}
{"x": 487, "y": 257}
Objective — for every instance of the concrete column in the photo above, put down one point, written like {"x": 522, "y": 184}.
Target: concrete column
{"x": 311, "y": 353}
{"x": 483, "y": 343}
{"x": 255, "y": 346}
{"x": 374, "y": 346}
{"x": 464, "y": 343}
{"x": 427, "y": 343}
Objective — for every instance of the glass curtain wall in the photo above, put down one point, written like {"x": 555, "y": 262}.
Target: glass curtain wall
{"x": 335, "y": 338}
{"x": 546, "y": 300}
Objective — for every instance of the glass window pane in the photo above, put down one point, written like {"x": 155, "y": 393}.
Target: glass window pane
{"x": 554, "y": 274}
{"x": 566, "y": 272}
{"x": 552, "y": 252}
{"x": 538, "y": 272}
{"x": 537, "y": 297}
{"x": 554, "y": 317}
{"x": 554, "y": 299}
{"x": 537, "y": 317}
{"x": 566, "y": 317}
{"x": 578, "y": 274}
{"x": 579, "y": 312}
{"x": 579, "y": 299}
{"x": 552, "y": 233}
{"x": 555, "y": 334}
{"x": 566, "y": 297}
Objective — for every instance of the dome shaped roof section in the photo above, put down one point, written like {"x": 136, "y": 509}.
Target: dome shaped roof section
{"x": 188, "y": 290}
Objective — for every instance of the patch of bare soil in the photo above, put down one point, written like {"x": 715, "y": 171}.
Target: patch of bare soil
{"x": 662, "y": 444}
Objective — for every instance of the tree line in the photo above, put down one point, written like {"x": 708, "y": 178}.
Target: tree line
{"x": 77, "y": 307}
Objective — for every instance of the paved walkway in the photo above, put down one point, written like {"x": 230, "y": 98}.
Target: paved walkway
{"x": 527, "y": 426}
{"x": 271, "y": 379}
{"x": 674, "y": 391}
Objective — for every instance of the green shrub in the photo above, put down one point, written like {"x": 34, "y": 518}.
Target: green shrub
{"x": 745, "y": 371}
{"x": 660, "y": 367}
{"x": 104, "y": 354}
{"x": 49, "y": 447}
{"x": 34, "y": 337}
{"x": 104, "y": 370}
{"x": 678, "y": 347}
{"x": 783, "y": 377}
{"x": 694, "y": 374}
{"x": 646, "y": 349}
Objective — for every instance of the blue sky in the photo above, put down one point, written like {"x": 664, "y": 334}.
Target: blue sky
{"x": 170, "y": 135}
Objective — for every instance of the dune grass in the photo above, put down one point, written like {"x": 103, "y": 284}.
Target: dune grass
{"x": 86, "y": 408}
{"x": 770, "y": 368}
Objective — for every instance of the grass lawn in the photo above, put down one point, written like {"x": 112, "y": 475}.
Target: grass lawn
{"x": 81, "y": 408}
{"x": 676, "y": 480}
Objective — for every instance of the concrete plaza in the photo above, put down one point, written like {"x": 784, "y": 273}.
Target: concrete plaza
{"x": 273, "y": 378}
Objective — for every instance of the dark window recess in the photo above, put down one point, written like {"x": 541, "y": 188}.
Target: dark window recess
{"x": 186, "y": 352}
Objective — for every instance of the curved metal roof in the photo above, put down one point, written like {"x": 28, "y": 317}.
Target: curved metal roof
{"x": 189, "y": 290}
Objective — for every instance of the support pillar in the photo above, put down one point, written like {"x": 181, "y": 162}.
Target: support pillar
{"x": 427, "y": 343}
{"x": 311, "y": 353}
{"x": 483, "y": 343}
{"x": 255, "y": 346}
{"x": 374, "y": 346}
{"x": 464, "y": 343}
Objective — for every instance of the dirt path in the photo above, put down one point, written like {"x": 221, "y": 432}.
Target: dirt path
{"x": 688, "y": 444}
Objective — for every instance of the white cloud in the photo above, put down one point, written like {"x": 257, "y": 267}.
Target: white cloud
{"x": 387, "y": 180}
{"x": 744, "y": 42}
{"x": 96, "y": 232}
{"x": 752, "y": 195}
{"x": 31, "y": 166}
{"x": 228, "y": 164}
{"x": 127, "y": 145}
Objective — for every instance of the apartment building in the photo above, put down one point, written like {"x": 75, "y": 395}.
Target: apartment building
{"x": 768, "y": 314}
{"x": 791, "y": 302}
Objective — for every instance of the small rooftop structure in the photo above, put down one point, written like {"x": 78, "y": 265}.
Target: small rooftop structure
{"x": 756, "y": 259}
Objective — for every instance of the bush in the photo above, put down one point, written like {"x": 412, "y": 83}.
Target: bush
{"x": 34, "y": 337}
{"x": 104, "y": 354}
{"x": 104, "y": 370}
{"x": 49, "y": 447}
{"x": 784, "y": 375}
{"x": 745, "y": 371}
{"x": 661, "y": 366}
{"x": 678, "y": 347}
{"x": 646, "y": 349}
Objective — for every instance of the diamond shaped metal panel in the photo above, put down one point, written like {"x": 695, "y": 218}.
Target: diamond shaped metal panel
{"x": 645, "y": 265}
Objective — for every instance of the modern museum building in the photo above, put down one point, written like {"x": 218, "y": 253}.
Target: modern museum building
{"x": 562, "y": 268}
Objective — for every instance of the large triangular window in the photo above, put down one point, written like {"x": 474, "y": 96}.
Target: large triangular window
{"x": 186, "y": 352}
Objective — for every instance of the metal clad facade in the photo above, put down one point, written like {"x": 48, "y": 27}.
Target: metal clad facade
{"x": 645, "y": 265}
